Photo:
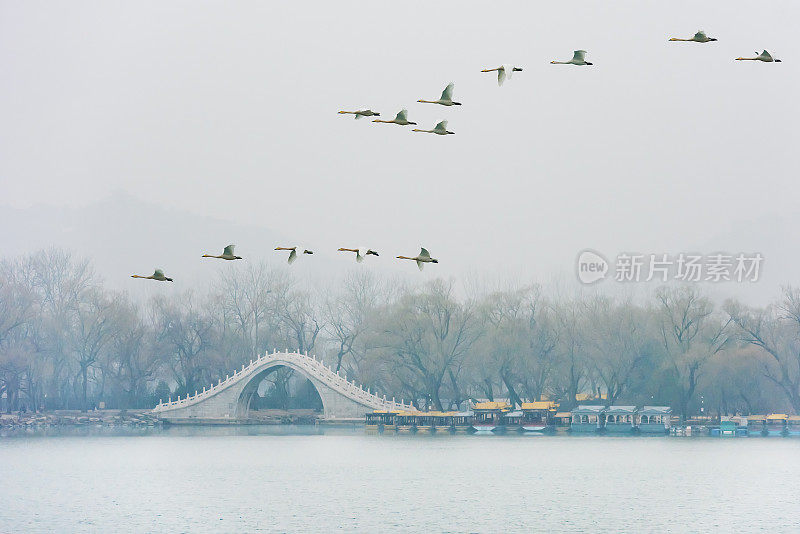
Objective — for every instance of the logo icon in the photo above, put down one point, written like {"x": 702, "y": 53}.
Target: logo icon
{"x": 592, "y": 267}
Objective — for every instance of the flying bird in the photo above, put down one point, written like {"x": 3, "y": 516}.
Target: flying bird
{"x": 401, "y": 119}
{"x": 227, "y": 254}
{"x": 157, "y": 275}
{"x": 503, "y": 72}
{"x": 446, "y": 98}
{"x": 764, "y": 56}
{"x": 423, "y": 258}
{"x": 293, "y": 253}
{"x": 439, "y": 129}
{"x": 699, "y": 37}
{"x": 362, "y": 113}
{"x": 359, "y": 256}
{"x": 578, "y": 58}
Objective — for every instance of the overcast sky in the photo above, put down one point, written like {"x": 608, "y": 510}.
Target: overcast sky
{"x": 229, "y": 109}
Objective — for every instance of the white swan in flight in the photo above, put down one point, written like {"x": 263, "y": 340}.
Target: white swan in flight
{"x": 227, "y": 254}
{"x": 764, "y": 56}
{"x": 401, "y": 119}
{"x": 439, "y": 129}
{"x": 503, "y": 72}
{"x": 578, "y": 58}
{"x": 699, "y": 37}
{"x": 362, "y": 113}
{"x": 293, "y": 253}
{"x": 157, "y": 275}
{"x": 361, "y": 253}
{"x": 423, "y": 258}
{"x": 446, "y": 98}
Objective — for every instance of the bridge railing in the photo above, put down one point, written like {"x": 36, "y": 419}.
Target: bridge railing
{"x": 309, "y": 364}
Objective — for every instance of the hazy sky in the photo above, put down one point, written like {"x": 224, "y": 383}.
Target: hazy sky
{"x": 229, "y": 109}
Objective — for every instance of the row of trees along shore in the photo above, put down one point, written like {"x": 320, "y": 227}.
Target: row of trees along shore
{"x": 66, "y": 342}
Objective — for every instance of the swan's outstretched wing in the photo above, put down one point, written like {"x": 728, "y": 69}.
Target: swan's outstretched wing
{"x": 228, "y": 250}
{"x": 766, "y": 55}
{"x": 700, "y": 35}
{"x": 440, "y": 127}
{"x": 420, "y": 264}
{"x": 502, "y": 74}
{"x": 402, "y": 116}
{"x": 292, "y": 257}
{"x": 579, "y": 55}
{"x": 447, "y": 94}
{"x": 159, "y": 273}
{"x": 423, "y": 252}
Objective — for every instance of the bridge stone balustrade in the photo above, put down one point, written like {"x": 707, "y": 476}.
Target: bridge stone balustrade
{"x": 229, "y": 399}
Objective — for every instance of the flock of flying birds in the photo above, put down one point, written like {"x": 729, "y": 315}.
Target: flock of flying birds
{"x": 506, "y": 71}
{"x": 503, "y": 72}
{"x": 227, "y": 254}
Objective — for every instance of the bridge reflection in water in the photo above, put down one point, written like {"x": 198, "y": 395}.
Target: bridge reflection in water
{"x": 229, "y": 399}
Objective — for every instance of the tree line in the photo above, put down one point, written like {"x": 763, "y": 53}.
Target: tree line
{"x": 68, "y": 342}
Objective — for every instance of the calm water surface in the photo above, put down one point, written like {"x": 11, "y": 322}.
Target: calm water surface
{"x": 310, "y": 480}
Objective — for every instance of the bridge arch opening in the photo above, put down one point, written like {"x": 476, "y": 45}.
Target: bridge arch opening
{"x": 280, "y": 390}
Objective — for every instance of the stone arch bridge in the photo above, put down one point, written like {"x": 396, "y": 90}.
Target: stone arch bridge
{"x": 229, "y": 399}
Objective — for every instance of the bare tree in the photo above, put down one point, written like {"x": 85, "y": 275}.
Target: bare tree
{"x": 691, "y": 334}
{"x": 186, "y": 334}
{"x": 429, "y": 332}
{"x": 774, "y": 330}
{"x": 571, "y": 370}
{"x": 618, "y": 340}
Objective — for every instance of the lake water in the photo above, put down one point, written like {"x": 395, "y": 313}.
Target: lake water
{"x": 305, "y": 479}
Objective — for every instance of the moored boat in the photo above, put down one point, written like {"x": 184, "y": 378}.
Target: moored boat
{"x": 654, "y": 419}
{"x": 587, "y": 418}
{"x": 406, "y": 421}
{"x": 793, "y": 425}
{"x": 424, "y": 422}
{"x": 487, "y": 415}
{"x": 726, "y": 429}
{"x": 620, "y": 419}
{"x": 756, "y": 425}
{"x": 462, "y": 422}
{"x": 372, "y": 422}
{"x": 563, "y": 420}
{"x": 511, "y": 421}
{"x": 389, "y": 421}
{"x": 776, "y": 424}
{"x": 442, "y": 422}
{"x": 538, "y": 416}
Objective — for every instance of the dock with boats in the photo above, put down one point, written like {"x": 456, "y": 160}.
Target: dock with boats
{"x": 544, "y": 417}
